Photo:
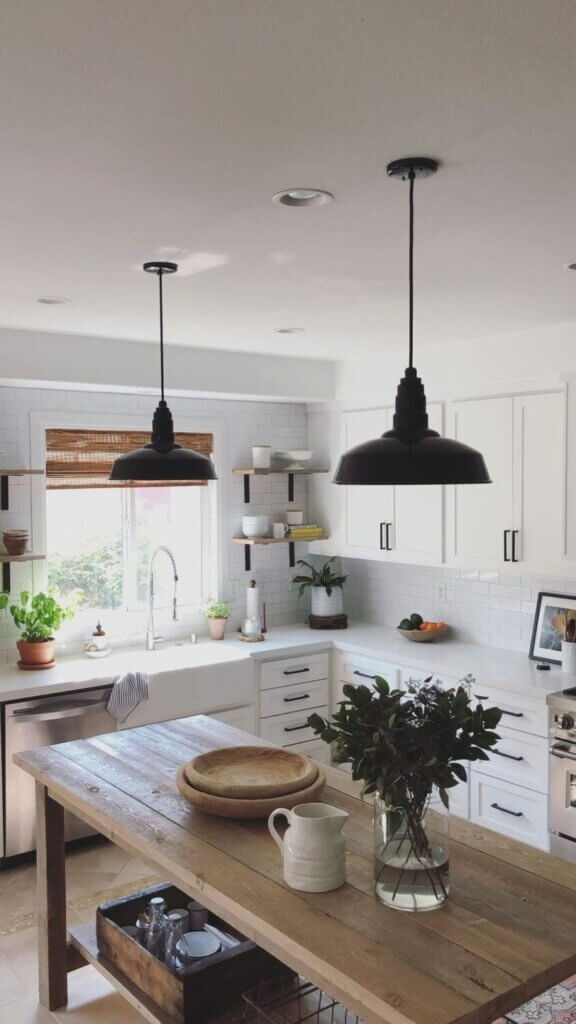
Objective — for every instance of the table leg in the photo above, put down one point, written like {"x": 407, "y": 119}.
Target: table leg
{"x": 51, "y": 876}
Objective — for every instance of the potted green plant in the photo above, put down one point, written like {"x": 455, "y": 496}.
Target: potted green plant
{"x": 325, "y": 588}
{"x": 408, "y": 749}
{"x": 38, "y": 618}
{"x": 217, "y": 613}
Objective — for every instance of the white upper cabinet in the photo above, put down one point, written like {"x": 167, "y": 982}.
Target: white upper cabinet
{"x": 417, "y": 531}
{"x": 520, "y": 516}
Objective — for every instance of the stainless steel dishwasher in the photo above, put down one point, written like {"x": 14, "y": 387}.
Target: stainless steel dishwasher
{"x": 41, "y": 722}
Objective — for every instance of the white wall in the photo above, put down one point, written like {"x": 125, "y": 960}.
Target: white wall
{"x": 239, "y": 425}
{"x": 32, "y": 356}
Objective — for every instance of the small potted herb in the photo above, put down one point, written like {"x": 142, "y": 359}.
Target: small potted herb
{"x": 217, "y": 613}
{"x": 38, "y": 619}
{"x": 325, "y": 589}
{"x": 408, "y": 749}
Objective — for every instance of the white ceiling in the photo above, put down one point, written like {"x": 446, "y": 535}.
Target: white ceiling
{"x": 133, "y": 129}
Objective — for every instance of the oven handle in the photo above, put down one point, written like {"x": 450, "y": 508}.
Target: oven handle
{"x": 44, "y": 713}
{"x": 564, "y": 756}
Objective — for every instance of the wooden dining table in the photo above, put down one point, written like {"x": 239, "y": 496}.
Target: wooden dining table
{"x": 506, "y": 933}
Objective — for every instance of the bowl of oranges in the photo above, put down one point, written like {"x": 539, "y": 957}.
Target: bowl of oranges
{"x": 420, "y": 631}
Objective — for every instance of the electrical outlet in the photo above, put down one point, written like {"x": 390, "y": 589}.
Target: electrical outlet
{"x": 441, "y": 592}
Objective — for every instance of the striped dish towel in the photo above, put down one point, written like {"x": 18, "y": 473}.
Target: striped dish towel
{"x": 128, "y": 691}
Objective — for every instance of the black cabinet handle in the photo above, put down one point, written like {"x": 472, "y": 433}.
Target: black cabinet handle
{"x": 304, "y": 696}
{"x": 295, "y": 728}
{"x": 388, "y": 544}
{"x": 506, "y": 555}
{"x": 515, "y": 814}
{"x": 514, "y": 539}
{"x": 363, "y": 675}
{"x": 511, "y": 757}
{"x": 481, "y": 696}
{"x": 513, "y": 714}
{"x": 382, "y": 541}
{"x": 295, "y": 671}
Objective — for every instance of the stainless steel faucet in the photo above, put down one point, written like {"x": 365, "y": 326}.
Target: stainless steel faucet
{"x": 151, "y": 637}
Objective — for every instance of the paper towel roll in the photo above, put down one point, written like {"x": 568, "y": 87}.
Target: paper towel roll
{"x": 252, "y": 601}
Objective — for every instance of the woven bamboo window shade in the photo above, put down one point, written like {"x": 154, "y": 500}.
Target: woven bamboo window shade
{"x": 83, "y": 458}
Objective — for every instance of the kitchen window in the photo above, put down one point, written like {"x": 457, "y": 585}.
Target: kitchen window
{"x": 100, "y": 536}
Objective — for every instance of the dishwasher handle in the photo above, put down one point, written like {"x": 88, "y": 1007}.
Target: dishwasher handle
{"x": 47, "y": 712}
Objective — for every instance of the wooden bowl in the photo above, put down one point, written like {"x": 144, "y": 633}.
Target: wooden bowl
{"x": 227, "y": 807}
{"x": 250, "y": 772}
{"x": 422, "y": 636}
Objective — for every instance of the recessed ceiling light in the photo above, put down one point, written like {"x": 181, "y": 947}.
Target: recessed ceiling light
{"x": 289, "y": 330}
{"x": 303, "y": 197}
{"x": 52, "y": 300}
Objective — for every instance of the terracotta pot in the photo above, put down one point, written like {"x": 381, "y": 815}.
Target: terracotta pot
{"x": 15, "y": 541}
{"x": 39, "y": 654}
{"x": 217, "y": 628}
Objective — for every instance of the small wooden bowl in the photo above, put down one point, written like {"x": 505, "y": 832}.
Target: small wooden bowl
{"x": 250, "y": 772}
{"x": 226, "y": 807}
{"x": 422, "y": 636}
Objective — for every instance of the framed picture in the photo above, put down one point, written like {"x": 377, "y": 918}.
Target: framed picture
{"x": 555, "y": 619}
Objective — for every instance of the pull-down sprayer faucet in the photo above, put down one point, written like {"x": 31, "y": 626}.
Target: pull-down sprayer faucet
{"x": 151, "y": 638}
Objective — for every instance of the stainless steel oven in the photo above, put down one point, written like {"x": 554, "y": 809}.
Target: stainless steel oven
{"x": 38, "y": 723}
{"x": 562, "y": 750}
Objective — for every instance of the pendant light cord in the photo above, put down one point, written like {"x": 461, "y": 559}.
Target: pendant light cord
{"x": 411, "y": 275}
{"x": 161, "y": 336}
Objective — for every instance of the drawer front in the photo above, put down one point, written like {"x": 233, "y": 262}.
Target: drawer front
{"x": 352, "y": 668}
{"x": 300, "y": 697}
{"x": 294, "y": 671}
{"x": 316, "y": 749}
{"x": 518, "y": 713}
{"x": 522, "y": 759}
{"x": 510, "y": 810}
{"x": 286, "y": 730}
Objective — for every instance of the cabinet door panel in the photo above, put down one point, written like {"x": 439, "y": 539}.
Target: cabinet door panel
{"x": 539, "y": 465}
{"x": 481, "y": 512}
{"x": 417, "y": 530}
{"x": 366, "y": 507}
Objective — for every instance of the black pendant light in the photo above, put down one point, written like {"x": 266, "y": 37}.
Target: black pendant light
{"x": 411, "y": 453}
{"x": 162, "y": 459}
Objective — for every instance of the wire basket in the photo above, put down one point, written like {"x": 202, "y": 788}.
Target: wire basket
{"x": 289, "y": 999}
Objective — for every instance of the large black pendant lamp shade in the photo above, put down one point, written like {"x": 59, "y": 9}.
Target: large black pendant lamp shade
{"x": 162, "y": 459}
{"x": 411, "y": 453}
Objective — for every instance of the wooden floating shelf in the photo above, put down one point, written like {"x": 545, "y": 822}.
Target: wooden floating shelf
{"x": 26, "y": 557}
{"x": 268, "y": 472}
{"x": 21, "y": 472}
{"x": 276, "y": 540}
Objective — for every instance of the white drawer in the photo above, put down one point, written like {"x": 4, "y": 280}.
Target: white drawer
{"x": 518, "y": 712}
{"x": 510, "y": 810}
{"x": 286, "y": 730}
{"x": 294, "y": 670}
{"x": 518, "y": 758}
{"x": 284, "y": 699}
{"x": 317, "y": 749}
{"x": 357, "y": 669}
{"x": 241, "y": 718}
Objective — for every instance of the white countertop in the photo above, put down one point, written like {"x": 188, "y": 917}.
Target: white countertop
{"x": 506, "y": 670}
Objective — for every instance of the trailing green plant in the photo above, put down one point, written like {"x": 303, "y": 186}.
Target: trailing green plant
{"x": 323, "y": 577}
{"x": 38, "y": 618}
{"x": 217, "y": 609}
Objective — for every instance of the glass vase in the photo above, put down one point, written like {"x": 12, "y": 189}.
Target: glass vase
{"x": 411, "y": 852}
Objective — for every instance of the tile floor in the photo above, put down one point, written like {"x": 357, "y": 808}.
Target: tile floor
{"x": 102, "y": 871}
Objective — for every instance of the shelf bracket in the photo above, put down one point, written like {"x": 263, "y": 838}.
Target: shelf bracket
{"x": 6, "y": 577}
{"x": 291, "y": 554}
{"x": 247, "y": 557}
{"x": 4, "y": 503}
{"x": 246, "y": 489}
{"x": 290, "y": 486}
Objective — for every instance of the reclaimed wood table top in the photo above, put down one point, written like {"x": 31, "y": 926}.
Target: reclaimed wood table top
{"x": 507, "y": 932}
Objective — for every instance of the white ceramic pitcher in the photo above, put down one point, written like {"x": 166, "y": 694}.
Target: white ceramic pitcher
{"x": 313, "y": 848}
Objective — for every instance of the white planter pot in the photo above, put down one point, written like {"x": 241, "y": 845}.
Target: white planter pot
{"x": 324, "y": 604}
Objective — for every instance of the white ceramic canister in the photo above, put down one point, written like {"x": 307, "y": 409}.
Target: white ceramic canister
{"x": 569, "y": 657}
{"x": 313, "y": 848}
{"x": 295, "y": 516}
{"x": 261, "y": 456}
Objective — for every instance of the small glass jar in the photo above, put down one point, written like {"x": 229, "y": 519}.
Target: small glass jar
{"x": 411, "y": 852}
{"x": 156, "y": 937}
{"x": 175, "y": 928}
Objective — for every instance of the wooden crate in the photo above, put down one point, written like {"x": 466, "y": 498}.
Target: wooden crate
{"x": 196, "y": 993}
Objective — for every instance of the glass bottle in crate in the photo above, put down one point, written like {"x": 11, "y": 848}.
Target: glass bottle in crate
{"x": 175, "y": 923}
{"x": 156, "y": 938}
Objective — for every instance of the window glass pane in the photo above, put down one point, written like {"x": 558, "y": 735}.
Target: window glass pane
{"x": 170, "y": 516}
{"x": 84, "y": 544}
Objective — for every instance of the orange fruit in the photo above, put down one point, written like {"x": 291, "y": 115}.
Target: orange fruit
{"x": 441, "y": 625}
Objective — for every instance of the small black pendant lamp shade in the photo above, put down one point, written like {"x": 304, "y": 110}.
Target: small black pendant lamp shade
{"x": 162, "y": 459}
{"x": 411, "y": 453}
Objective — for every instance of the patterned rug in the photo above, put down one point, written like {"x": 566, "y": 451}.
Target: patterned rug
{"x": 557, "y": 1006}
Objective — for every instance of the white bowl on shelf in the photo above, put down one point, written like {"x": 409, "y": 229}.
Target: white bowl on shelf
{"x": 295, "y": 457}
{"x": 255, "y": 526}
